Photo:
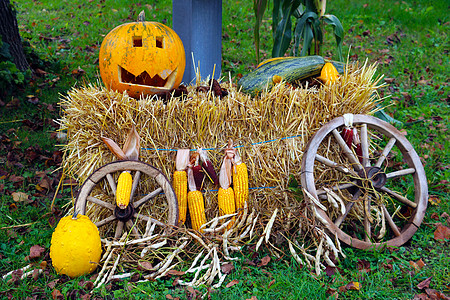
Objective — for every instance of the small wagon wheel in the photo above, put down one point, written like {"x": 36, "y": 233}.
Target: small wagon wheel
{"x": 371, "y": 196}
{"x": 152, "y": 199}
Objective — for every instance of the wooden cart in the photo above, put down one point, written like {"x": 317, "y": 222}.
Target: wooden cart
{"x": 375, "y": 186}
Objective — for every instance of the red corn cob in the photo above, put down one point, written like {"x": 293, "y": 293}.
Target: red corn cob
{"x": 357, "y": 143}
{"x": 208, "y": 167}
{"x": 197, "y": 171}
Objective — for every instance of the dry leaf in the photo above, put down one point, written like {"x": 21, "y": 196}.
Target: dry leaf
{"x": 227, "y": 268}
{"x": 264, "y": 261}
{"x": 252, "y": 298}
{"x": 424, "y": 284}
{"x": 434, "y": 200}
{"x": 354, "y": 285}
{"x": 56, "y": 294}
{"x": 35, "y": 251}
{"x": 21, "y": 197}
{"x": 145, "y": 265}
{"x": 176, "y": 273}
{"x": 271, "y": 283}
{"x": 232, "y": 282}
{"x": 442, "y": 232}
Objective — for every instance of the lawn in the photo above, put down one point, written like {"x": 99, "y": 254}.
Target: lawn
{"x": 408, "y": 40}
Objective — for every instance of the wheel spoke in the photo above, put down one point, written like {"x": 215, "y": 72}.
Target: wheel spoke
{"x": 365, "y": 146}
{"x": 101, "y": 202}
{"x": 147, "y": 197}
{"x": 385, "y": 152}
{"x": 105, "y": 221}
{"x": 390, "y": 221}
{"x": 133, "y": 228}
{"x": 119, "y": 229}
{"x": 348, "y": 207}
{"x": 399, "y": 197}
{"x": 353, "y": 160}
{"x": 112, "y": 183}
{"x": 331, "y": 164}
{"x": 136, "y": 178}
{"x": 146, "y": 218}
{"x": 400, "y": 173}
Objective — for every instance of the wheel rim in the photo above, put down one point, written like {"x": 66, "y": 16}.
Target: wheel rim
{"x": 153, "y": 200}
{"x": 376, "y": 185}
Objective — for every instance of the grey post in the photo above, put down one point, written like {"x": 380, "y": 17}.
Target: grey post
{"x": 199, "y": 25}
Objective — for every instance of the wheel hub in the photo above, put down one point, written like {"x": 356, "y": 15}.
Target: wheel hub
{"x": 374, "y": 175}
{"x": 124, "y": 214}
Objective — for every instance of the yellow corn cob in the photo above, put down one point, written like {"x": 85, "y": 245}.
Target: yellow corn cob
{"x": 226, "y": 203}
{"x": 196, "y": 209}
{"x": 123, "y": 191}
{"x": 180, "y": 187}
{"x": 240, "y": 185}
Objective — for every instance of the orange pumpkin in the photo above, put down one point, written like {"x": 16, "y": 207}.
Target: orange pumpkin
{"x": 142, "y": 58}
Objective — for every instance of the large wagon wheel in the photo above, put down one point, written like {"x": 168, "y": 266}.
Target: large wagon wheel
{"x": 152, "y": 199}
{"x": 371, "y": 196}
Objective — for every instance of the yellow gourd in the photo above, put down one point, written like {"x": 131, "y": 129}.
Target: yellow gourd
{"x": 75, "y": 246}
{"x": 329, "y": 73}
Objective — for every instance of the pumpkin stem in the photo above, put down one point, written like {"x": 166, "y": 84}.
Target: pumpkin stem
{"x": 75, "y": 214}
{"x": 141, "y": 17}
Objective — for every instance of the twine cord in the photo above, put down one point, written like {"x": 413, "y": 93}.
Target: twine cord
{"x": 211, "y": 149}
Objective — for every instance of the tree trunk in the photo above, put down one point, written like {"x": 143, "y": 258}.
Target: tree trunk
{"x": 9, "y": 32}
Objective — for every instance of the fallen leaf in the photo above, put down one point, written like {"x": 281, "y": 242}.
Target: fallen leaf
{"x": 176, "y": 273}
{"x": 232, "y": 282}
{"x": 15, "y": 276}
{"x": 35, "y": 251}
{"x": 52, "y": 283}
{"x": 145, "y": 265}
{"x": 442, "y": 232}
{"x": 364, "y": 265}
{"x": 354, "y": 285}
{"x": 271, "y": 283}
{"x": 264, "y": 261}
{"x": 169, "y": 296}
{"x": 227, "y": 268}
{"x": 433, "y": 294}
{"x": 56, "y": 294}
{"x": 417, "y": 265}
{"x": 424, "y": 284}
{"x": 434, "y": 200}
{"x": 21, "y": 197}
{"x": 330, "y": 271}
{"x": 252, "y": 298}
{"x": 434, "y": 216}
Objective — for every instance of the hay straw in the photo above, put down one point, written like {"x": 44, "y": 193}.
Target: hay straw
{"x": 271, "y": 132}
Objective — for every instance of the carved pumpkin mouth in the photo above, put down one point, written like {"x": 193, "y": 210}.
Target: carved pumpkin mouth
{"x": 146, "y": 80}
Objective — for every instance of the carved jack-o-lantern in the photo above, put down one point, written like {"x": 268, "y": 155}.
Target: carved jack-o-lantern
{"x": 142, "y": 58}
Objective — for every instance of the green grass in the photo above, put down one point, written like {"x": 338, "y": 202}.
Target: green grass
{"x": 409, "y": 40}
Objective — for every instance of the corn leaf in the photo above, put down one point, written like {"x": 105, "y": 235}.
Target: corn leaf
{"x": 283, "y": 34}
{"x": 304, "y": 31}
{"x": 259, "y": 6}
{"x": 338, "y": 32}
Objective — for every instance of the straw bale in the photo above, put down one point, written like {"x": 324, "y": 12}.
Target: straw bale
{"x": 270, "y": 130}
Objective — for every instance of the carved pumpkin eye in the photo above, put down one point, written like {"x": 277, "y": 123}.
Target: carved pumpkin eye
{"x": 137, "y": 41}
{"x": 159, "y": 42}
{"x": 139, "y": 67}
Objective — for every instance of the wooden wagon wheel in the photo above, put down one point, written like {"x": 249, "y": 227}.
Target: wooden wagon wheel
{"x": 99, "y": 191}
{"x": 372, "y": 196}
